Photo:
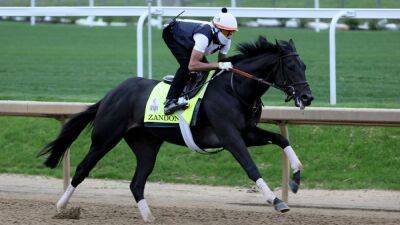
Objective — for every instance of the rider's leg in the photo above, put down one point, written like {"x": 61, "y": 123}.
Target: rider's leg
{"x": 180, "y": 79}
{"x": 182, "y": 55}
{"x": 172, "y": 102}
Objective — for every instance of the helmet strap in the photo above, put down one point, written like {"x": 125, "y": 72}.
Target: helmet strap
{"x": 215, "y": 32}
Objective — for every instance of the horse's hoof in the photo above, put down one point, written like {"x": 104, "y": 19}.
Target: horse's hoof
{"x": 280, "y": 206}
{"x": 149, "y": 218}
{"x": 296, "y": 177}
{"x": 145, "y": 211}
{"x": 60, "y": 206}
{"x": 63, "y": 201}
{"x": 294, "y": 183}
{"x": 293, "y": 186}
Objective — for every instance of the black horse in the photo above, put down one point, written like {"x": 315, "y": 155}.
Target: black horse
{"x": 228, "y": 118}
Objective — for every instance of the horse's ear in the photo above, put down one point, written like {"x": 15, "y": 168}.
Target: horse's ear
{"x": 291, "y": 42}
{"x": 278, "y": 45}
{"x": 262, "y": 40}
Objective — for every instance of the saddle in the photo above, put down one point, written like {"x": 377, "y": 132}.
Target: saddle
{"x": 194, "y": 92}
{"x": 193, "y": 86}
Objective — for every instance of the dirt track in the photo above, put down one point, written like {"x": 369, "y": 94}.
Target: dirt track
{"x": 30, "y": 200}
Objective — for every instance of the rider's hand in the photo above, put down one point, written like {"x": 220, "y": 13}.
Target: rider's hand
{"x": 225, "y": 65}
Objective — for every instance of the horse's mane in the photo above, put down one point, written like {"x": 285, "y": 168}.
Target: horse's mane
{"x": 261, "y": 46}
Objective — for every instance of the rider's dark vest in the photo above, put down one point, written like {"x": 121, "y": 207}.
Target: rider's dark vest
{"x": 183, "y": 33}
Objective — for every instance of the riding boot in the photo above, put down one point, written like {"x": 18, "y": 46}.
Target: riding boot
{"x": 173, "y": 105}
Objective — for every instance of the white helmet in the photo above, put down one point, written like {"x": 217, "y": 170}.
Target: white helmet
{"x": 225, "y": 20}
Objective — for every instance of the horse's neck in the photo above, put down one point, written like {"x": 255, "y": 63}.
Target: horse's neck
{"x": 250, "y": 90}
{"x": 245, "y": 88}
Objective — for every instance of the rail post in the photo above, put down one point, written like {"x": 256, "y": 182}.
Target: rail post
{"x": 332, "y": 53}
{"x": 139, "y": 40}
{"x": 285, "y": 164}
{"x": 66, "y": 162}
{"x": 33, "y": 19}
{"x": 149, "y": 38}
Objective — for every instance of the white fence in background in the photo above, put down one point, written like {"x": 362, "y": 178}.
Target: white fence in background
{"x": 143, "y": 13}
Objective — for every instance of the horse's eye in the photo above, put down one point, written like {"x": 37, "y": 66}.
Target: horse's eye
{"x": 291, "y": 68}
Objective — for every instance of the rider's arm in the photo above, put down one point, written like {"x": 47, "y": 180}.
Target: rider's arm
{"x": 195, "y": 63}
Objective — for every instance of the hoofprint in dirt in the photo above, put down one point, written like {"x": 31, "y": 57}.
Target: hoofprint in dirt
{"x": 31, "y": 200}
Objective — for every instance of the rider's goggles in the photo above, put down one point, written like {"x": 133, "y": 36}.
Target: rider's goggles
{"x": 227, "y": 33}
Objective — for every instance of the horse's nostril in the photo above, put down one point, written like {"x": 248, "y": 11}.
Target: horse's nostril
{"x": 305, "y": 98}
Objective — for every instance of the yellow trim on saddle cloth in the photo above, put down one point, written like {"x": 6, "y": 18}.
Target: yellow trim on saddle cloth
{"x": 154, "y": 112}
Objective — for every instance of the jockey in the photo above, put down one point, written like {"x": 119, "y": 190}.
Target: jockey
{"x": 190, "y": 42}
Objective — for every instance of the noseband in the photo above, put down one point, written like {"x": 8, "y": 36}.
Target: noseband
{"x": 286, "y": 87}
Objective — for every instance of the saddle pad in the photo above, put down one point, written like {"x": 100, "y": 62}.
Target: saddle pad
{"x": 154, "y": 112}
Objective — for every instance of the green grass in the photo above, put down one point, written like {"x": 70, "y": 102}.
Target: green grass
{"x": 71, "y": 63}
{"x": 336, "y": 158}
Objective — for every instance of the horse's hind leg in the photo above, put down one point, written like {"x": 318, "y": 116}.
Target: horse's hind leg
{"x": 145, "y": 146}
{"x": 102, "y": 142}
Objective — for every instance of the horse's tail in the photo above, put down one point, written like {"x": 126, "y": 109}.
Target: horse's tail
{"x": 69, "y": 132}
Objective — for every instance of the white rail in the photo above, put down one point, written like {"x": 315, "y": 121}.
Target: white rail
{"x": 278, "y": 115}
{"x": 332, "y": 13}
{"x": 244, "y": 12}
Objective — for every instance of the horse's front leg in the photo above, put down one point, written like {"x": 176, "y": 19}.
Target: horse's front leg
{"x": 232, "y": 141}
{"x": 258, "y": 137}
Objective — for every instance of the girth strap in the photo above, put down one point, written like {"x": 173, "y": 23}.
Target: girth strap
{"x": 188, "y": 137}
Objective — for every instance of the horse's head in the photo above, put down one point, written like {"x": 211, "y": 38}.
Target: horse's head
{"x": 290, "y": 75}
{"x": 277, "y": 65}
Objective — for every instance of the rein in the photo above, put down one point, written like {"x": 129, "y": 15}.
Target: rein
{"x": 252, "y": 77}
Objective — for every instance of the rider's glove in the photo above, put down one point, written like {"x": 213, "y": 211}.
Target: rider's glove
{"x": 225, "y": 65}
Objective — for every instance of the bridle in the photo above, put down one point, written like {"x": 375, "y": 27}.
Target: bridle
{"x": 286, "y": 87}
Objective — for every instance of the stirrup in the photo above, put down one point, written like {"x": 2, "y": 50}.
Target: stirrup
{"x": 183, "y": 101}
{"x": 174, "y": 105}
{"x": 168, "y": 79}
